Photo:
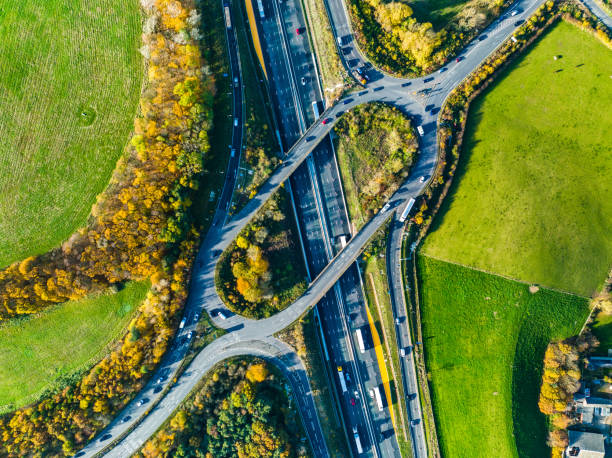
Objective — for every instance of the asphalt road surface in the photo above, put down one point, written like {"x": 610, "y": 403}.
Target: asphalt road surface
{"x": 249, "y": 336}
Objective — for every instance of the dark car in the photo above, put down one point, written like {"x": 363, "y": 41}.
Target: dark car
{"x": 482, "y": 37}
{"x": 216, "y": 253}
{"x": 406, "y": 84}
{"x": 519, "y": 22}
{"x": 126, "y": 419}
{"x": 347, "y": 101}
{"x": 310, "y": 138}
{"x": 158, "y": 389}
{"x": 106, "y": 437}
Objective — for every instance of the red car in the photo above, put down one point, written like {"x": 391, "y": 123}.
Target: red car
{"x": 299, "y": 30}
{"x": 326, "y": 120}
{"x": 352, "y": 401}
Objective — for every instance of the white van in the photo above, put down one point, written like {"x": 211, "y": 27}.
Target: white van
{"x": 420, "y": 130}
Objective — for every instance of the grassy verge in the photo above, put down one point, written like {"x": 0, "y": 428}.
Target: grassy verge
{"x": 376, "y": 285}
{"x": 262, "y": 271}
{"x": 43, "y": 353}
{"x": 302, "y": 336}
{"x": 214, "y": 49}
{"x": 529, "y": 197}
{"x": 261, "y": 150}
{"x": 70, "y": 86}
{"x": 333, "y": 75}
{"x": 485, "y": 338}
{"x": 375, "y": 145}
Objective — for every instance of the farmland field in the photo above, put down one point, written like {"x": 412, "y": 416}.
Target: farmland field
{"x": 70, "y": 75}
{"x": 530, "y": 199}
{"x": 484, "y": 339}
{"x": 44, "y": 351}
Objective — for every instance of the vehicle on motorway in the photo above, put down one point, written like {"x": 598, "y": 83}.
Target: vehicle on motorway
{"x": 235, "y": 122}
{"x": 519, "y": 22}
{"x": 514, "y": 13}
{"x": 442, "y": 70}
{"x": 352, "y": 401}
{"x": 422, "y": 179}
{"x": 216, "y": 253}
{"x": 357, "y": 440}
{"x": 459, "y": 59}
{"x": 221, "y": 315}
{"x": 299, "y": 30}
{"x": 228, "y": 17}
{"x": 378, "y": 398}
{"x": 142, "y": 402}
{"x": 420, "y": 130}
{"x": 189, "y": 335}
{"x": 482, "y": 37}
{"x": 342, "y": 381}
{"x": 235, "y": 81}
{"x": 342, "y": 240}
{"x": 386, "y": 207}
{"x": 196, "y": 317}
{"x": 312, "y": 137}
{"x": 415, "y": 422}
{"x": 340, "y": 42}
{"x": 371, "y": 393}
{"x": 360, "y": 340}
{"x": 315, "y": 109}
{"x": 397, "y": 321}
{"x": 402, "y": 352}
{"x": 183, "y": 321}
{"x": 356, "y": 393}
{"x": 126, "y": 419}
{"x": 412, "y": 396}
{"x": 105, "y": 437}
{"x": 303, "y": 81}
{"x": 404, "y": 214}
{"x": 326, "y": 120}
{"x": 233, "y": 152}
{"x": 158, "y": 389}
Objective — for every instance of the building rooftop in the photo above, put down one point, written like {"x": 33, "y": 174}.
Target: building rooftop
{"x": 585, "y": 445}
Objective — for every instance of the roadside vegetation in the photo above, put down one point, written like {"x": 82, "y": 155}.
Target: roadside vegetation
{"x": 42, "y": 354}
{"x": 333, "y": 74}
{"x": 376, "y": 286}
{"x": 408, "y": 38}
{"x": 141, "y": 228}
{"x": 376, "y": 147}
{"x": 261, "y": 152}
{"x": 241, "y": 409}
{"x": 529, "y": 198}
{"x": 59, "y": 146}
{"x": 485, "y": 338}
{"x": 303, "y": 335}
{"x": 262, "y": 271}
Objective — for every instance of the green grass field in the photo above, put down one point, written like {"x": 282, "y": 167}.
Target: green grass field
{"x": 70, "y": 74}
{"x": 484, "y": 340}
{"x": 43, "y": 352}
{"x": 531, "y": 196}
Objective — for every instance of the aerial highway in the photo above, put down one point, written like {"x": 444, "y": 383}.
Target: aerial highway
{"x": 161, "y": 396}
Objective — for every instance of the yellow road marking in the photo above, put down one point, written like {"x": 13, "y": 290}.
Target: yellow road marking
{"x": 255, "y": 35}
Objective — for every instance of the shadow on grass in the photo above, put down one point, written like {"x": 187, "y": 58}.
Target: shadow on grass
{"x": 529, "y": 423}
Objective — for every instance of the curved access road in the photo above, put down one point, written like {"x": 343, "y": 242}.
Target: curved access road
{"x": 421, "y": 98}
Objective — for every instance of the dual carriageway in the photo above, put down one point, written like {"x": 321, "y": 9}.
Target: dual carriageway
{"x": 317, "y": 193}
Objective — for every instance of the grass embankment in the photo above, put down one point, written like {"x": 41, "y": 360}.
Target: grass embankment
{"x": 262, "y": 271}
{"x": 302, "y": 336}
{"x": 602, "y": 329}
{"x": 214, "y": 50}
{"x": 261, "y": 151}
{"x": 333, "y": 75}
{"x": 376, "y": 147}
{"x": 530, "y": 199}
{"x": 46, "y": 351}
{"x": 376, "y": 285}
{"x": 485, "y": 338}
{"x": 71, "y": 81}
